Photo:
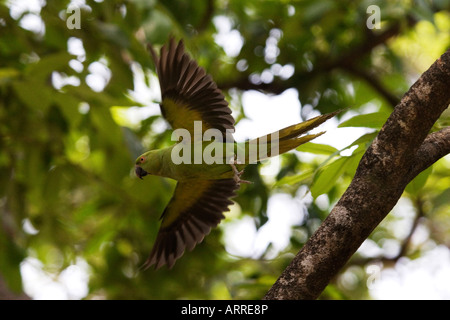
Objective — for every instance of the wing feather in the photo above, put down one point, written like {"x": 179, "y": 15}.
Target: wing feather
{"x": 189, "y": 216}
{"x": 188, "y": 93}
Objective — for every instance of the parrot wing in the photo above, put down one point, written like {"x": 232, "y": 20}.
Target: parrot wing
{"x": 195, "y": 208}
{"x": 188, "y": 93}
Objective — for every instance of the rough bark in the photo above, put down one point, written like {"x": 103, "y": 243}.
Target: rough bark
{"x": 402, "y": 149}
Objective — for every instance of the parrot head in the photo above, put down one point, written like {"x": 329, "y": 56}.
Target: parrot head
{"x": 140, "y": 162}
{"x": 148, "y": 163}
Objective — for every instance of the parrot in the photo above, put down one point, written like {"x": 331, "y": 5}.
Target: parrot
{"x": 194, "y": 106}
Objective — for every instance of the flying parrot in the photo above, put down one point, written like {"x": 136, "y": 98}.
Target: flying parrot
{"x": 194, "y": 106}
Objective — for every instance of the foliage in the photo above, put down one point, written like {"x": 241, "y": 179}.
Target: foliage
{"x": 67, "y": 189}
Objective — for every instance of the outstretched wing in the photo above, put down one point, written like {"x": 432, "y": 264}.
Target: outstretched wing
{"x": 195, "y": 208}
{"x": 188, "y": 93}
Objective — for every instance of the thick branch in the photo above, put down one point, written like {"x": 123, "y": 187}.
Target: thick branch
{"x": 395, "y": 157}
{"x": 435, "y": 146}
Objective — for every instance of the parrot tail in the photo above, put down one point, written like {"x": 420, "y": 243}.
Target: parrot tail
{"x": 282, "y": 141}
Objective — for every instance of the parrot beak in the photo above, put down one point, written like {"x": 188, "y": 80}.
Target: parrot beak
{"x": 140, "y": 172}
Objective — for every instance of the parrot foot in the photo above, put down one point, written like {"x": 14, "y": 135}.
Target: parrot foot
{"x": 238, "y": 174}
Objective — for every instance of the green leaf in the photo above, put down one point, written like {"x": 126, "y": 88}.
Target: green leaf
{"x": 371, "y": 120}
{"x": 418, "y": 182}
{"x": 442, "y": 199}
{"x": 8, "y": 74}
{"x": 35, "y": 95}
{"x": 328, "y": 176}
{"x": 317, "y": 148}
{"x": 68, "y": 105}
{"x": 422, "y": 11}
{"x": 47, "y": 64}
{"x": 364, "y": 139}
{"x": 290, "y": 180}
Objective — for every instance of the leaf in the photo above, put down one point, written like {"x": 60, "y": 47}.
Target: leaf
{"x": 34, "y": 94}
{"x": 290, "y": 180}
{"x": 364, "y": 139}
{"x": 371, "y": 120}
{"x": 442, "y": 199}
{"x": 419, "y": 181}
{"x": 328, "y": 176}
{"x": 8, "y": 74}
{"x": 68, "y": 105}
{"x": 422, "y": 11}
{"x": 317, "y": 148}
{"x": 47, "y": 64}
{"x": 113, "y": 33}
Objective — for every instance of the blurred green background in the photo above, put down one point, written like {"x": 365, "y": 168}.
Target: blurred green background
{"x": 79, "y": 104}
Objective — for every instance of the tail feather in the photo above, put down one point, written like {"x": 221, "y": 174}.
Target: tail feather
{"x": 284, "y": 140}
{"x": 302, "y": 127}
{"x": 289, "y": 144}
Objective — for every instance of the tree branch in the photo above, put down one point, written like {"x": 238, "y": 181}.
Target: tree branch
{"x": 435, "y": 146}
{"x": 418, "y": 203}
{"x": 347, "y": 61}
{"x": 399, "y": 152}
{"x": 206, "y": 20}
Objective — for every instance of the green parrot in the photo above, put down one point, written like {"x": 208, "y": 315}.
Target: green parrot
{"x": 205, "y": 161}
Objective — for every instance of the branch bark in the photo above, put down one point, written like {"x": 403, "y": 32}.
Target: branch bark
{"x": 402, "y": 149}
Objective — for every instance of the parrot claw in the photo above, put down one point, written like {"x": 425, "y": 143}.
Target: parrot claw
{"x": 237, "y": 173}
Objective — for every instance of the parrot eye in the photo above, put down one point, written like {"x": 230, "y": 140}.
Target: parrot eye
{"x": 142, "y": 159}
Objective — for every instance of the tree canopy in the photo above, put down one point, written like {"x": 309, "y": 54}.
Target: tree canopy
{"x": 79, "y": 103}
